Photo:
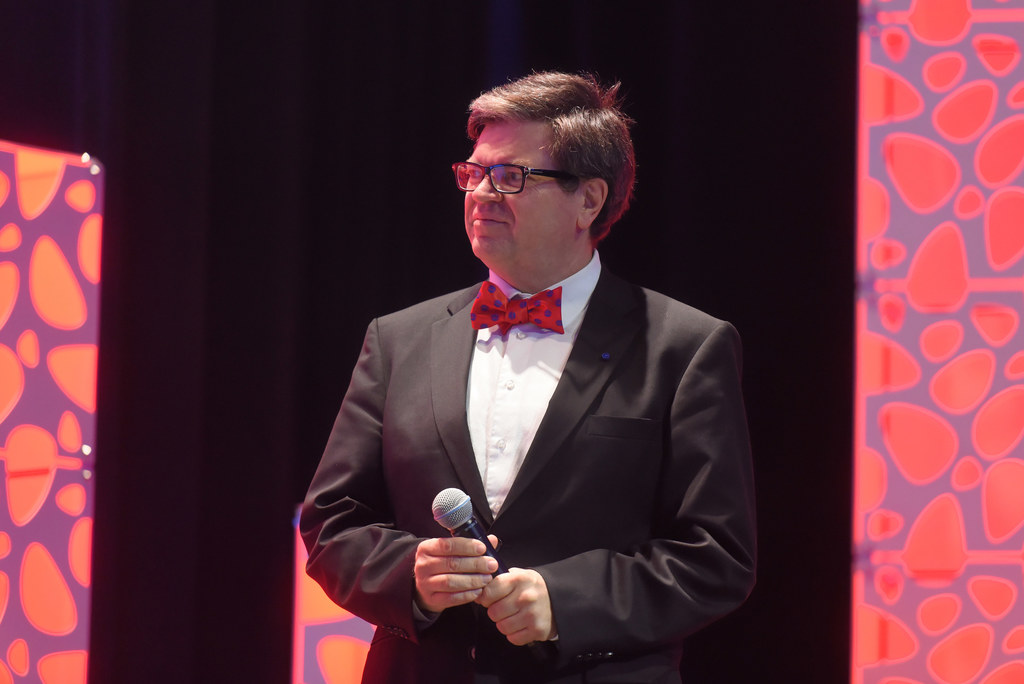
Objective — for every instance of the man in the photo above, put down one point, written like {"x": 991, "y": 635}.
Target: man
{"x": 603, "y": 440}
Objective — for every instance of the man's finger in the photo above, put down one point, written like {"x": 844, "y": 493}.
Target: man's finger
{"x": 452, "y": 546}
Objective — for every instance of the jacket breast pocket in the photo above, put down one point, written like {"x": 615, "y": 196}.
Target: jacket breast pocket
{"x": 645, "y": 429}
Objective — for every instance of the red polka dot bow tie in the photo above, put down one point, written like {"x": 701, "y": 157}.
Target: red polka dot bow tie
{"x": 491, "y": 307}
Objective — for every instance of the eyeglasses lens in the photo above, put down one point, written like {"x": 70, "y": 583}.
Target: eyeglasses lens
{"x": 507, "y": 178}
{"x": 468, "y": 176}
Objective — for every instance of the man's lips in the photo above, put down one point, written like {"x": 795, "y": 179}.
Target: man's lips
{"x": 492, "y": 219}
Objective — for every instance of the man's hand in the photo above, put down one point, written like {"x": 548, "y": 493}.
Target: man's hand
{"x": 451, "y": 571}
{"x": 518, "y": 603}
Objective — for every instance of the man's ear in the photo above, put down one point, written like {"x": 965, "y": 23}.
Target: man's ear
{"x": 594, "y": 192}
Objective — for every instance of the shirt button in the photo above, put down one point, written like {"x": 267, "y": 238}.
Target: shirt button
{"x": 510, "y": 385}
{"x": 501, "y": 444}
{"x": 521, "y": 335}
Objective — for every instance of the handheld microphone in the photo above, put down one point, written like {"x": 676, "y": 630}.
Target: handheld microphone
{"x": 453, "y": 511}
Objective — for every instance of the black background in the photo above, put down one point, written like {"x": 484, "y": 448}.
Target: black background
{"x": 275, "y": 177}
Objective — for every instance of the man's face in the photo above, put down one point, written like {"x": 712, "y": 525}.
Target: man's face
{"x": 532, "y": 239}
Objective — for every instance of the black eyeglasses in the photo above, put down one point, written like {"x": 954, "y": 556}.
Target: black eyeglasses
{"x": 508, "y": 179}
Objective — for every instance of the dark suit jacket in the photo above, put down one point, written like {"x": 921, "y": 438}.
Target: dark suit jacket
{"x": 635, "y": 501}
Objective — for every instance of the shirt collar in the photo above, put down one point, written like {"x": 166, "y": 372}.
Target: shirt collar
{"x": 576, "y": 291}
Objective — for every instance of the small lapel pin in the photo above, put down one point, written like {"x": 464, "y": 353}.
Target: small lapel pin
{"x": 605, "y": 356}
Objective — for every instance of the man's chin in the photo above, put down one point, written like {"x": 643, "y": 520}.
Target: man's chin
{"x": 488, "y": 250}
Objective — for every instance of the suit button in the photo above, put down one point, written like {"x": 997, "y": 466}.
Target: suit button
{"x": 472, "y": 653}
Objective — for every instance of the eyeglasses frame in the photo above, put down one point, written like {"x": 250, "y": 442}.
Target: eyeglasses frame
{"x": 527, "y": 172}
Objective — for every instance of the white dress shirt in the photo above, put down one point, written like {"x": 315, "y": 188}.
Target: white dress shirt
{"x": 512, "y": 378}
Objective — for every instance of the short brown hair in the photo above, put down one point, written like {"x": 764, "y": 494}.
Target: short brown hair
{"x": 589, "y": 131}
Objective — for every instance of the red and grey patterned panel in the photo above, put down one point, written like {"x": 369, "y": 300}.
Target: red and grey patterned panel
{"x": 50, "y": 230}
{"x": 939, "y": 501}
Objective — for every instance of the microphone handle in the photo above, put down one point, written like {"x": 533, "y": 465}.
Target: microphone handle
{"x": 471, "y": 529}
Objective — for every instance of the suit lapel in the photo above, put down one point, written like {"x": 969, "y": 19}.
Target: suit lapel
{"x": 451, "y": 348}
{"x": 612, "y": 321}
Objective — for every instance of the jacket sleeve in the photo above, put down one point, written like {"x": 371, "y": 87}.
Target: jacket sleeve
{"x": 699, "y": 563}
{"x": 356, "y": 553}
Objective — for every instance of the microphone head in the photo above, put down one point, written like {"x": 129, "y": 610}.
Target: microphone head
{"x": 452, "y": 508}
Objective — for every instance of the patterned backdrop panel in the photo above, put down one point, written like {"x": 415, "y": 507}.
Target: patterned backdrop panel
{"x": 330, "y": 643}
{"x": 50, "y": 227}
{"x": 939, "y": 503}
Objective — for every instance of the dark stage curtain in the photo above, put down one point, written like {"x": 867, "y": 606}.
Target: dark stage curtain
{"x": 276, "y": 176}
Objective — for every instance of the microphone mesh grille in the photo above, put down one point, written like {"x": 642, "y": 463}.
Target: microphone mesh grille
{"x": 452, "y": 508}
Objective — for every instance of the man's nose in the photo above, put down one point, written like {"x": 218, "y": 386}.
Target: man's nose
{"x": 485, "y": 192}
